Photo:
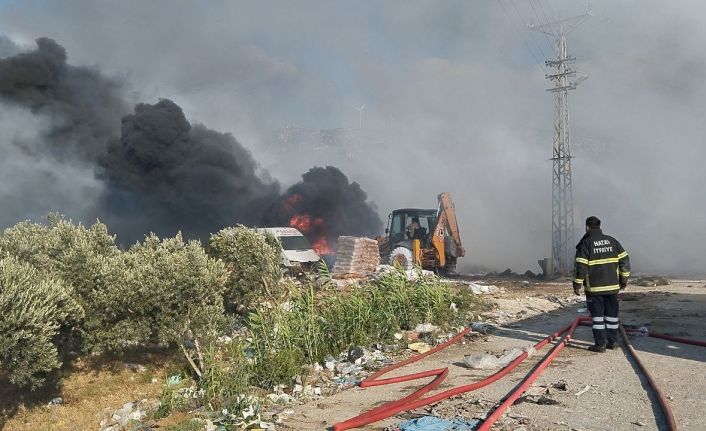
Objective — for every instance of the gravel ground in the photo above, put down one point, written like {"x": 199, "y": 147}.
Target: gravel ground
{"x": 617, "y": 397}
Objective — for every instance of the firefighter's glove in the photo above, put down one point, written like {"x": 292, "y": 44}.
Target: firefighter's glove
{"x": 623, "y": 286}
{"x": 577, "y": 289}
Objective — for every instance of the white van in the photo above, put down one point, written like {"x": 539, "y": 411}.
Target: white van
{"x": 296, "y": 250}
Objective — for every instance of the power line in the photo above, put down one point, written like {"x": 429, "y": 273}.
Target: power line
{"x": 524, "y": 40}
{"x": 551, "y": 46}
{"x": 522, "y": 21}
{"x": 546, "y": 18}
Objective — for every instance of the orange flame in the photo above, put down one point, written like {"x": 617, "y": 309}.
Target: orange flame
{"x": 321, "y": 246}
{"x": 304, "y": 222}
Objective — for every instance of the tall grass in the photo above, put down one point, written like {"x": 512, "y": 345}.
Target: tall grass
{"x": 314, "y": 325}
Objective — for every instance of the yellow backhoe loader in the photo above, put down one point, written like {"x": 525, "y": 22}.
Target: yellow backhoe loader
{"x": 423, "y": 237}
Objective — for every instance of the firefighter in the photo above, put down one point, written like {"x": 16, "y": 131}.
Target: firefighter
{"x": 602, "y": 269}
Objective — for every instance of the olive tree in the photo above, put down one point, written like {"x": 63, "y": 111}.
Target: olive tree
{"x": 162, "y": 292}
{"x": 35, "y": 309}
{"x": 252, "y": 260}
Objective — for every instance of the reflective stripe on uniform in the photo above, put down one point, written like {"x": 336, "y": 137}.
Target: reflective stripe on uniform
{"x": 624, "y": 274}
{"x": 622, "y": 255}
{"x": 612, "y": 319}
{"x": 592, "y": 289}
{"x": 578, "y": 280}
{"x": 597, "y": 319}
{"x": 609, "y": 326}
{"x": 582, "y": 260}
{"x": 598, "y": 326}
{"x": 603, "y": 261}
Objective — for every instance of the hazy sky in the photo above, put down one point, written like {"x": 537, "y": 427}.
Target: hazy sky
{"x": 455, "y": 99}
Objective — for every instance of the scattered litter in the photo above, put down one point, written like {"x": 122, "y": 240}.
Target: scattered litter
{"x": 399, "y": 335}
{"x": 425, "y": 328}
{"x": 432, "y": 423}
{"x": 582, "y": 310}
{"x": 480, "y": 289}
{"x": 420, "y": 347}
{"x": 330, "y": 363}
{"x": 355, "y": 353}
{"x": 224, "y": 339}
{"x": 174, "y": 380}
{"x": 137, "y": 368}
{"x": 638, "y": 423}
{"x": 279, "y": 398}
{"x": 583, "y": 391}
{"x": 55, "y": 401}
{"x": 345, "y": 381}
{"x": 561, "y": 385}
{"x": 542, "y": 400}
{"x": 499, "y": 316}
{"x": 483, "y": 327}
{"x": 133, "y": 412}
{"x": 485, "y": 361}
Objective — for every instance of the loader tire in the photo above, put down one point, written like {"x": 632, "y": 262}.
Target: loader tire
{"x": 401, "y": 257}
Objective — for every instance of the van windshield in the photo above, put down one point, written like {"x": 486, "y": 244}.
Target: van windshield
{"x": 294, "y": 243}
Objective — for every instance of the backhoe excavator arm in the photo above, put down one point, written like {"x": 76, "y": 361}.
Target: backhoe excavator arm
{"x": 446, "y": 224}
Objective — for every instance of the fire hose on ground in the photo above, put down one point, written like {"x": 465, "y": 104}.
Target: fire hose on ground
{"x": 415, "y": 400}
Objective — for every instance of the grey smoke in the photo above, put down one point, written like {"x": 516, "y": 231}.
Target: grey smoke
{"x": 80, "y": 104}
{"x": 454, "y": 101}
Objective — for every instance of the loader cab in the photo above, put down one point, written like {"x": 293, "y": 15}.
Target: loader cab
{"x": 399, "y": 219}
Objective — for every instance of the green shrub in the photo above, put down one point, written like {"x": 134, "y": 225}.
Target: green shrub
{"x": 252, "y": 260}
{"x": 82, "y": 258}
{"x": 34, "y": 310}
{"x": 164, "y": 292}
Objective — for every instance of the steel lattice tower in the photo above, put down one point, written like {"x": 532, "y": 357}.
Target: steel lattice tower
{"x": 562, "y": 192}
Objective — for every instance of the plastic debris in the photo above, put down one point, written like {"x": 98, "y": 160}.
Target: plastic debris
{"x": 55, "y": 401}
{"x": 174, "y": 380}
{"x": 433, "y": 423}
{"x": 485, "y": 361}
{"x": 483, "y": 327}
{"x": 355, "y": 353}
{"x": 582, "y": 391}
{"x": 425, "y": 328}
{"x": 481, "y": 289}
{"x": 420, "y": 347}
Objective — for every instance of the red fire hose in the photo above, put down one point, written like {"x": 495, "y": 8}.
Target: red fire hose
{"x": 414, "y": 400}
{"x": 490, "y": 420}
{"x": 666, "y": 410}
{"x": 669, "y": 337}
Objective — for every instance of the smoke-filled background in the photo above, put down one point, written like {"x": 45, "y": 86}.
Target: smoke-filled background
{"x": 454, "y": 101}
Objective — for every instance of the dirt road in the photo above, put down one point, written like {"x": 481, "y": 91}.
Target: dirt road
{"x": 613, "y": 395}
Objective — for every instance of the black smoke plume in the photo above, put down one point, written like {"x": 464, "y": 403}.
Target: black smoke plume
{"x": 164, "y": 175}
{"x": 157, "y": 172}
{"x": 325, "y": 204}
{"x": 82, "y": 106}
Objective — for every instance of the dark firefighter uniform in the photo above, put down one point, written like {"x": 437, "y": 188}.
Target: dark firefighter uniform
{"x": 602, "y": 268}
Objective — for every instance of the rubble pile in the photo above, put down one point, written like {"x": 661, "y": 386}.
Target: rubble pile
{"x": 356, "y": 257}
